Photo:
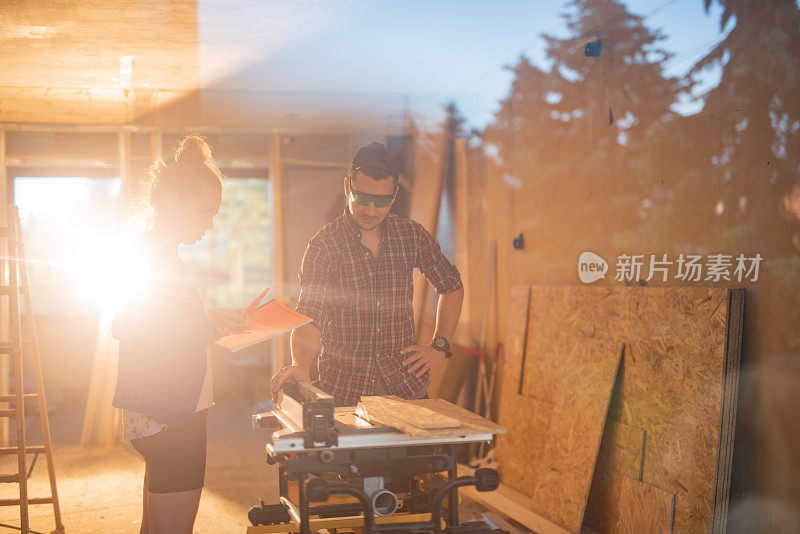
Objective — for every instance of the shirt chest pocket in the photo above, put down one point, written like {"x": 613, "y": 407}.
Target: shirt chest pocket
{"x": 395, "y": 294}
{"x": 398, "y": 278}
{"x": 354, "y": 293}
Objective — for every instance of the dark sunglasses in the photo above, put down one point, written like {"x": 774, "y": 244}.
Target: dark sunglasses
{"x": 364, "y": 199}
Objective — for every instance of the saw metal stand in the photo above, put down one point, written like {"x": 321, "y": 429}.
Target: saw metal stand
{"x": 366, "y": 473}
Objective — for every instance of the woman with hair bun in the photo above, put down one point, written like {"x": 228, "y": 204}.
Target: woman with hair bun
{"x": 165, "y": 332}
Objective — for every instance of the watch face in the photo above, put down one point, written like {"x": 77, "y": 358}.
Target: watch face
{"x": 441, "y": 344}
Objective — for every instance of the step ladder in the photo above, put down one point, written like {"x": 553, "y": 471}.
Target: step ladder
{"x": 17, "y": 291}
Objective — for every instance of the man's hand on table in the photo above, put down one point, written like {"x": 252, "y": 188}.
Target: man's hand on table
{"x": 290, "y": 372}
{"x": 421, "y": 358}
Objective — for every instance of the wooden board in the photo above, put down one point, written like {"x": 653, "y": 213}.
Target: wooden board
{"x": 621, "y": 455}
{"x": 469, "y": 423}
{"x": 556, "y": 419}
{"x": 730, "y": 401}
{"x": 644, "y": 508}
{"x": 393, "y": 408}
{"x": 678, "y": 380}
{"x": 511, "y": 504}
{"x": 672, "y": 387}
{"x": 634, "y": 507}
{"x": 426, "y": 201}
{"x": 618, "y": 501}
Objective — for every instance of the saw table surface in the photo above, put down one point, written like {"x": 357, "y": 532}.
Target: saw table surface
{"x": 359, "y": 428}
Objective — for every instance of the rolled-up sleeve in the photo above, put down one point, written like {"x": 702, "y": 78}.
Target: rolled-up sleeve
{"x": 315, "y": 284}
{"x": 432, "y": 263}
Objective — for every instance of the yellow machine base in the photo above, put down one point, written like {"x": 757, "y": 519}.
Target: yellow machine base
{"x": 339, "y": 522}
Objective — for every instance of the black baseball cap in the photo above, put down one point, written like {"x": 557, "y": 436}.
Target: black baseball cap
{"x": 375, "y": 157}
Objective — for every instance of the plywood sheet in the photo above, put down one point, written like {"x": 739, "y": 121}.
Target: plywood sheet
{"x": 557, "y": 421}
{"x": 730, "y": 400}
{"x": 634, "y": 507}
{"x": 677, "y": 381}
{"x": 618, "y": 501}
{"x": 672, "y": 387}
{"x": 644, "y": 508}
{"x": 621, "y": 455}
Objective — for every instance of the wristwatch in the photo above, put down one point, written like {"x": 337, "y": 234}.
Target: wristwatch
{"x": 441, "y": 344}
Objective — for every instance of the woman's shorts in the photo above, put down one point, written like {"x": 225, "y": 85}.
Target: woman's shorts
{"x": 175, "y": 457}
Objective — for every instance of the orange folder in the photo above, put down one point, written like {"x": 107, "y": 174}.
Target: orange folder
{"x": 267, "y": 321}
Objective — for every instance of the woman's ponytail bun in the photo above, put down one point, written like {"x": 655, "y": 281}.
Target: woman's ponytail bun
{"x": 193, "y": 148}
{"x": 192, "y": 163}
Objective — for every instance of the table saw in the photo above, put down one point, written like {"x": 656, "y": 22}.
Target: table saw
{"x": 364, "y": 469}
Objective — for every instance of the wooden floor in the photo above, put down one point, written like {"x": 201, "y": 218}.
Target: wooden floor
{"x": 101, "y": 491}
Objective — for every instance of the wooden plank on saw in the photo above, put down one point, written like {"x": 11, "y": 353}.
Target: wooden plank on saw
{"x": 466, "y": 418}
{"x": 468, "y": 422}
{"x": 394, "y": 408}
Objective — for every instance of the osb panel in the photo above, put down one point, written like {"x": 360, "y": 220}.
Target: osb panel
{"x": 672, "y": 387}
{"x": 671, "y": 378}
{"x": 520, "y": 450}
{"x": 621, "y": 455}
{"x": 556, "y": 424}
{"x": 730, "y": 401}
{"x": 634, "y": 507}
{"x": 644, "y": 508}
{"x": 526, "y": 419}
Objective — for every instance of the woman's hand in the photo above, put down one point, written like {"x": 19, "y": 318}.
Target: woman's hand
{"x": 229, "y": 319}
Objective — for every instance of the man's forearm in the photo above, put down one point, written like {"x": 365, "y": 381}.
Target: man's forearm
{"x": 447, "y": 313}
{"x": 304, "y": 344}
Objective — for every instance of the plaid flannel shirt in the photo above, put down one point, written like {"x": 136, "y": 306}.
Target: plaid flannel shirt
{"x": 362, "y": 305}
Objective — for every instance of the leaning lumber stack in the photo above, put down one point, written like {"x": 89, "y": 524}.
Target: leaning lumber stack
{"x": 620, "y": 405}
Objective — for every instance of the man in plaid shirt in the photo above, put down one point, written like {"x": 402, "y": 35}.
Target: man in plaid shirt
{"x": 356, "y": 285}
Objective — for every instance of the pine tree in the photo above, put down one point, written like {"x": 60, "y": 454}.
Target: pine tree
{"x": 752, "y": 121}
{"x": 578, "y": 139}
